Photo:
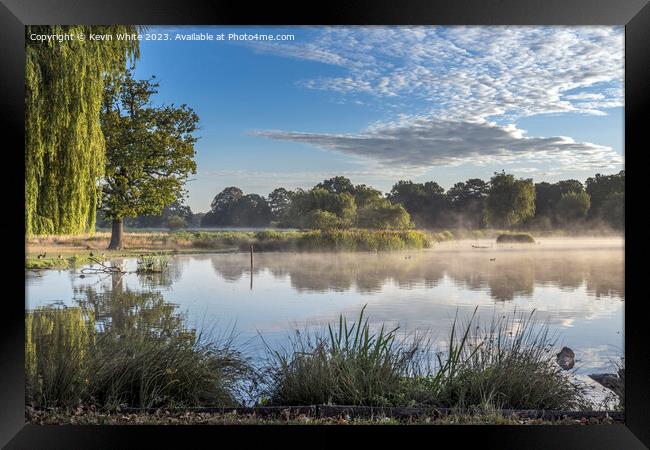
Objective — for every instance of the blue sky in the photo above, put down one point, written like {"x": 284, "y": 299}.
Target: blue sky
{"x": 380, "y": 104}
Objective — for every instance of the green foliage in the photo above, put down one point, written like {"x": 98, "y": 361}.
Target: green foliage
{"x": 548, "y": 195}
{"x": 167, "y": 219}
{"x": 425, "y": 202}
{"x": 123, "y": 348}
{"x": 337, "y": 185}
{"x": 382, "y": 214}
{"x": 363, "y": 240}
{"x": 322, "y": 220}
{"x": 176, "y": 223}
{"x": 149, "y": 149}
{"x": 340, "y": 205}
{"x": 612, "y": 210}
{"x": 572, "y": 207}
{"x": 510, "y": 201}
{"x": 232, "y": 208}
{"x": 279, "y": 201}
{"x": 467, "y": 203}
{"x": 600, "y": 187}
{"x": 504, "y": 202}
{"x": 64, "y": 145}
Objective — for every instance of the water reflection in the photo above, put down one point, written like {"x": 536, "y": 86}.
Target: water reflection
{"x": 508, "y": 276}
{"x": 579, "y": 292}
{"x": 123, "y": 311}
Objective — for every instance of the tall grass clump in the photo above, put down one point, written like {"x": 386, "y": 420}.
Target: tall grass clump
{"x": 347, "y": 364}
{"x": 508, "y": 364}
{"x": 152, "y": 264}
{"x": 183, "y": 370}
{"x": 59, "y": 345}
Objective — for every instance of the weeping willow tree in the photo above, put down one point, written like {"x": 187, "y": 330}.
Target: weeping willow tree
{"x": 64, "y": 145}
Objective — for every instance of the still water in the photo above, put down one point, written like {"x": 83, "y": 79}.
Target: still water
{"x": 575, "y": 285}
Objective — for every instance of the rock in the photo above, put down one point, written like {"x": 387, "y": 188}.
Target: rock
{"x": 609, "y": 380}
{"x": 566, "y": 358}
{"x": 598, "y": 397}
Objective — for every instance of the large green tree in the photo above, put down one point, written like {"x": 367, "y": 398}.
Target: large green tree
{"x": 601, "y": 187}
{"x": 572, "y": 207}
{"x": 548, "y": 195}
{"x": 510, "y": 201}
{"x": 279, "y": 201}
{"x": 320, "y": 206}
{"x": 467, "y": 202}
{"x": 64, "y": 145}
{"x": 231, "y": 207}
{"x": 425, "y": 202}
{"x": 149, "y": 149}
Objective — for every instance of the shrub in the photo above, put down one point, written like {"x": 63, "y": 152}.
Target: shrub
{"x": 176, "y": 223}
{"x": 322, "y": 220}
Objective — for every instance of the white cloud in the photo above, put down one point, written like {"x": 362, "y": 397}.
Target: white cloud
{"x": 465, "y": 80}
{"x": 470, "y": 72}
{"x": 424, "y": 142}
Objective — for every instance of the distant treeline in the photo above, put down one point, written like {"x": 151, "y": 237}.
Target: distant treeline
{"x": 503, "y": 201}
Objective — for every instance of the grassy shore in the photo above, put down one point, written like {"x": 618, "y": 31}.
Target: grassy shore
{"x": 62, "y": 252}
{"x": 59, "y": 250}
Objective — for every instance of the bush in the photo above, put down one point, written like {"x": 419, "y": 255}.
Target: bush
{"x": 572, "y": 207}
{"x": 176, "y": 223}
{"x": 322, "y": 220}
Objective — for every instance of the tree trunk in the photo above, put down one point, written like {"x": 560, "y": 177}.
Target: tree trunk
{"x": 117, "y": 234}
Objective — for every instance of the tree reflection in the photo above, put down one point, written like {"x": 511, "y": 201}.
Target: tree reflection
{"x": 121, "y": 311}
{"x": 504, "y": 275}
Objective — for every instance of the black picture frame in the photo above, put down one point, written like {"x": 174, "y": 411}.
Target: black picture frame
{"x": 633, "y": 14}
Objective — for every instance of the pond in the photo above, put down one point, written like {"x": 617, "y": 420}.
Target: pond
{"x": 576, "y": 285}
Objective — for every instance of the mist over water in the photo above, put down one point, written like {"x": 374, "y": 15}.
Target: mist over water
{"x": 577, "y": 285}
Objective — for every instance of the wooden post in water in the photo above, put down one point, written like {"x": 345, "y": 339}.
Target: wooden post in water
{"x": 251, "y": 267}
